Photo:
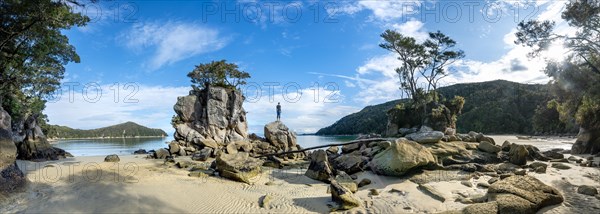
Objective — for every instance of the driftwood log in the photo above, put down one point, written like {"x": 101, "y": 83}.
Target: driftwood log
{"x": 327, "y": 145}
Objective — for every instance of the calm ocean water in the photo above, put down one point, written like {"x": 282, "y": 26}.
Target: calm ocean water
{"x": 99, "y": 147}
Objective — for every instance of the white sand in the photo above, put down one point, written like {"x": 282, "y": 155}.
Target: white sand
{"x": 136, "y": 184}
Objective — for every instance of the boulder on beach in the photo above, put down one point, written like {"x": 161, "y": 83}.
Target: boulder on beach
{"x": 488, "y": 147}
{"x": 161, "y": 153}
{"x": 112, "y": 158}
{"x": 343, "y": 196}
{"x": 401, "y": 157}
{"x": 319, "y": 168}
{"x": 518, "y": 154}
{"x": 588, "y": 142}
{"x": 238, "y": 167}
{"x": 426, "y": 136}
{"x": 280, "y": 136}
{"x": 350, "y": 163}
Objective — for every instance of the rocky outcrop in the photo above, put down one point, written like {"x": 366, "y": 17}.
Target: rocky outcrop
{"x": 238, "y": 167}
{"x": 401, "y": 157}
{"x": 11, "y": 177}
{"x": 212, "y": 117}
{"x": 32, "y": 144}
{"x": 588, "y": 142}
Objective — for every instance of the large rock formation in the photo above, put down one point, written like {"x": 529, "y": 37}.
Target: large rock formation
{"x": 588, "y": 142}
{"x": 32, "y": 144}
{"x": 11, "y": 176}
{"x": 212, "y": 117}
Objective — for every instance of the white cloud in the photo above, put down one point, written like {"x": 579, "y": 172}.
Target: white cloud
{"x": 151, "y": 106}
{"x": 413, "y": 28}
{"x": 171, "y": 42}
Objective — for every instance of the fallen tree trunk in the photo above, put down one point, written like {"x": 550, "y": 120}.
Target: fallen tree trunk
{"x": 323, "y": 146}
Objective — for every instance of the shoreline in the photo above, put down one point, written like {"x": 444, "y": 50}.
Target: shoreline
{"x": 136, "y": 184}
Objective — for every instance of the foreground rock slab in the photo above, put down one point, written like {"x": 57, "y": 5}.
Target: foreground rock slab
{"x": 343, "y": 197}
{"x": 401, "y": 157}
{"x": 239, "y": 167}
{"x": 517, "y": 194}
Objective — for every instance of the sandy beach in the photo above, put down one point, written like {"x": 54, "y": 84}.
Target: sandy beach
{"x": 136, "y": 184}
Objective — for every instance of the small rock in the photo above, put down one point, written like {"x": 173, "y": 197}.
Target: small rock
{"x": 401, "y": 192}
{"x": 373, "y": 192}
{"x": 493, "y": 180}
{"x": 112, "y": 158}
{"x": 431, "y": 192}
{"x": 467, "y": 183}
{"x": 521, "y": 172}
{"x": 183, "y": 164}
{"x": 483, "y": 185}
{"x": 560, "y": 166}
{"x": 587, "y": 190}
{"x": 140, "y": 152}
{"x": 364, "y": 182}
{"x": 264, "y": 201}
{"x": 198, "y": 174}
{"x": 333, "y": 150}
{"x": 269, "y": 183}
{"x": 354, "y": 177}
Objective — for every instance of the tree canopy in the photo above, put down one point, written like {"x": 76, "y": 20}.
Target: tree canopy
{"x": 218, "y": 73}
{"x": 33, "y": 51}
{"x": 428, "y": 59}
{"x": 574, "y": 80}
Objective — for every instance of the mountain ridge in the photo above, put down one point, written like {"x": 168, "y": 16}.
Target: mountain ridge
{"x": 127, "y": 129}
{"x": 492, "y": 107}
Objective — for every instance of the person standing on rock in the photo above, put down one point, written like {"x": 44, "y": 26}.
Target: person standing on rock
{"x": 278, "y": 111}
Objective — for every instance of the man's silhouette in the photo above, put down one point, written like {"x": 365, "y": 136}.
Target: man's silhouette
{"x": 278, "y": 111}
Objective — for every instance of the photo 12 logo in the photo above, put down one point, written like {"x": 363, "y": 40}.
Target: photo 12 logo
{"x": 93, "y": 92}
{"x": 291, "y": 92}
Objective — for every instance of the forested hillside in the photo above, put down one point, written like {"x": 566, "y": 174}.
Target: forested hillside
{"x": 495, "y": 107}
{"x": 128, "y": 129}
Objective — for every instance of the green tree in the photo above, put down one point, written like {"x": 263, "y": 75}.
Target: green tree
{"x": 576, "y": 78}
{"x": 428, "y": 59}
{"x": 33, "y": 51}
{"x": 217, "y": 73}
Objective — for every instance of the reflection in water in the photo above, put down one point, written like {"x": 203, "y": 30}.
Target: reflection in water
{"x": 125, "y": 146}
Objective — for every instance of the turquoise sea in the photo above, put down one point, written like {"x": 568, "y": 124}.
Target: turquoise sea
{"x": 99, "y": 147}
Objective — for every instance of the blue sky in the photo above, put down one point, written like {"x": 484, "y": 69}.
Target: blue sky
{"x": 320, "y": 59}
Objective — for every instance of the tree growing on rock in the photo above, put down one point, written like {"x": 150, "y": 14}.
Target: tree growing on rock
{"x": 218, "y": 73}
{"x": 429, "y": 59}
{"x": 575, "y": 79}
